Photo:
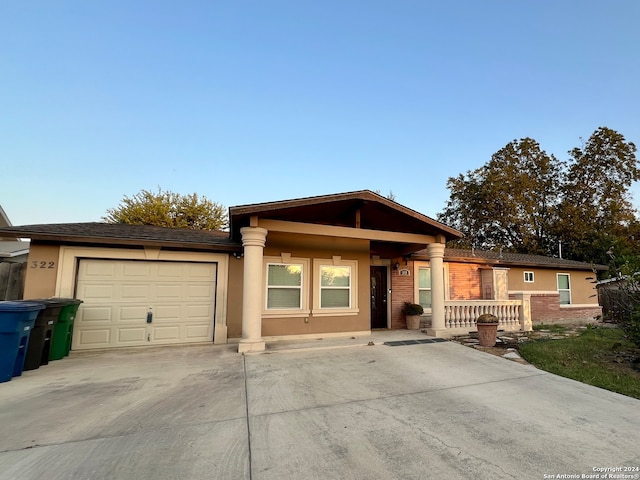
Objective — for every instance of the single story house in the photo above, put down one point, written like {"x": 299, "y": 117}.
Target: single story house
{"x": 322, "y": 266}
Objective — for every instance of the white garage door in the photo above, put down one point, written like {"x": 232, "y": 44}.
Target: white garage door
{"x": 128, "y": 303}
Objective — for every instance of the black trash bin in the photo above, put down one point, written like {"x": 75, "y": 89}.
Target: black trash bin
{"x": 42, "y": 333}
{"x": 16, "y": 321}
{"x": 63, "y": 331}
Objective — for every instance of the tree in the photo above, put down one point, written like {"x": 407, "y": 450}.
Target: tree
{"x": 169, "y": 209}
{"x": 390, "y": 196}
{"x": 527, "y": 201}
{"x": 509, "y": 202}
{"x": 596, "y": 213}
{"x": 620, "y": 297}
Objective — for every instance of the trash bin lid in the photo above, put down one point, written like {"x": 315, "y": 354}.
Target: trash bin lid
{"x": 20, "y": 306}
{"x": 67, "y": 301}
{"x": 49, "y": 302}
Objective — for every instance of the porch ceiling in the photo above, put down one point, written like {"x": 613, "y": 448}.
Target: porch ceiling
{"x": 362, "y": 209}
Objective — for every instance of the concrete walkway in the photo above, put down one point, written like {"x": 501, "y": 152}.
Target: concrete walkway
{"x": 322, "y": 409}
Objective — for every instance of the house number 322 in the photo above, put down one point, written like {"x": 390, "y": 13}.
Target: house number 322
{"x": 42, "y": 264}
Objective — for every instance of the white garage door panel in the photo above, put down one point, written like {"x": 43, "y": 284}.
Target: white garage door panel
{"x": 131, "y": 336}
{"x": 97, "y": 314}
{"x": 166, "y": 334}
{"x": 132, "y": 313}
{"x": 135, "y": 292}
{"x": 98, "y": 291}
{"x": 196, "y": 331}
{"x": 97, "y": 338}
{"x": 118, "y": 294}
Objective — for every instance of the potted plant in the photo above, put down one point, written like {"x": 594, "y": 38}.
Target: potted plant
{"x": 487, "y": 329}
{"x": 412, "y": 312}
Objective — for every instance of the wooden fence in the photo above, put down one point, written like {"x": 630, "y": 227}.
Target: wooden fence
{"x": 12, "y": 280}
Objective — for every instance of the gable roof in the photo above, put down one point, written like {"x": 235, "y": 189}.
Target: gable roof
{"x": 361, "y": 209}
{"x": 124, "y": 234}
{"x": 490, "y": 257}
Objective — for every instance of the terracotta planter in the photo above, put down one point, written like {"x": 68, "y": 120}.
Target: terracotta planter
{"x": 413, "y": 322}
{"x": 487, "y": 333}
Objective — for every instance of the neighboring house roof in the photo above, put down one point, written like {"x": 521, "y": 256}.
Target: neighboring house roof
{"x": 362, "y": 209}
{"x": 124, "y": 234}
{"x": 491, "y": 257}
{"x": 4, "y": 220}
{"x": 13, "y": 248}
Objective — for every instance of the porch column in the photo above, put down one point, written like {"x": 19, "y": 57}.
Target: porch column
{"x": 525, "y": 311}
{"x": 436, "y": 256}
{"x": 253, "y": 241}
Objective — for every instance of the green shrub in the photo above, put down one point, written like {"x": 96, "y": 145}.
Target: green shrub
{"x": 409, "y": 308}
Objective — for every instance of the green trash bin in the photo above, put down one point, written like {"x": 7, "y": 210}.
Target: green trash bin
{"x": 42, "y": 333}
{"x": 63, "y": 331}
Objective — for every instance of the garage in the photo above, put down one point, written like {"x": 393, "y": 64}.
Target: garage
{"x": 135, "y": 302}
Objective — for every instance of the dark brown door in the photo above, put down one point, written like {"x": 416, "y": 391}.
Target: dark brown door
{"x": 378, "y": 297}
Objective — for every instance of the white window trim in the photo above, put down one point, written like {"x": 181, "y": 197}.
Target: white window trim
{"x": 336, "y": 261}
{"x": 569, "y": 289}
{"x": 532, "y": 274}
{"x": 416, "y": 296}
{"x": 416, "y": 282}
{"x": 286, "y": 259}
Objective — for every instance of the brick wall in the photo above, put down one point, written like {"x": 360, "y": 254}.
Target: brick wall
{"x": 401, "y": 291}
{"x": 545, "y": 308}
{"x": 465, "y": 282}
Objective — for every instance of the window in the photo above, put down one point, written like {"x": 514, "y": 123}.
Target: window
{"x": 423, "y": 284}
{"x": 528, "y": 277}
{"x": 564, "y": 288}
{"x": 284, "y": 286}
{"x": 287, "y": 283}
{"x": 335, "y": 287}
{"x": 424, "y": 287}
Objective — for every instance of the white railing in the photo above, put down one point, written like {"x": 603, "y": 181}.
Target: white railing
{"x": 462, "y": 314}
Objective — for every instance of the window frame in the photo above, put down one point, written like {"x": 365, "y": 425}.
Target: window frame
{"x": 416, "y": 282}
{"x": 530, "y": 273}
{"x": 336, "y": 261}
{"x": 558, "y": 275}
{"x": 286, "y": 259}
{"x": 419, "y": 289}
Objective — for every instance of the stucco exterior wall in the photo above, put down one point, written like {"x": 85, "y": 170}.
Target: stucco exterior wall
{"x": 234, "y": 297}
{"x": 583, "y": 290}
{"x": 317, "y": 247}
{"x": 42, "y": 271}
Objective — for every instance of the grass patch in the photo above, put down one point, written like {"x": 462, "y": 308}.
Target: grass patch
{"x": 554, "y": 327}
{"x": 599, "y": 356}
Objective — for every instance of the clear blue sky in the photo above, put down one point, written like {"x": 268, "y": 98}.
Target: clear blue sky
{"x": 255, "y": 101}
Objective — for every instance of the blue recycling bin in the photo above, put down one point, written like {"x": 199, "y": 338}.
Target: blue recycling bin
{"x": 16, "y": 321}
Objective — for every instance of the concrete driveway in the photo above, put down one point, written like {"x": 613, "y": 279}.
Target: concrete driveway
{"x": 438, "y": 410}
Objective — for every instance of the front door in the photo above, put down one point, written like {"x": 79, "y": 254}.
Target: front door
{"x": 378, "y": 297}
